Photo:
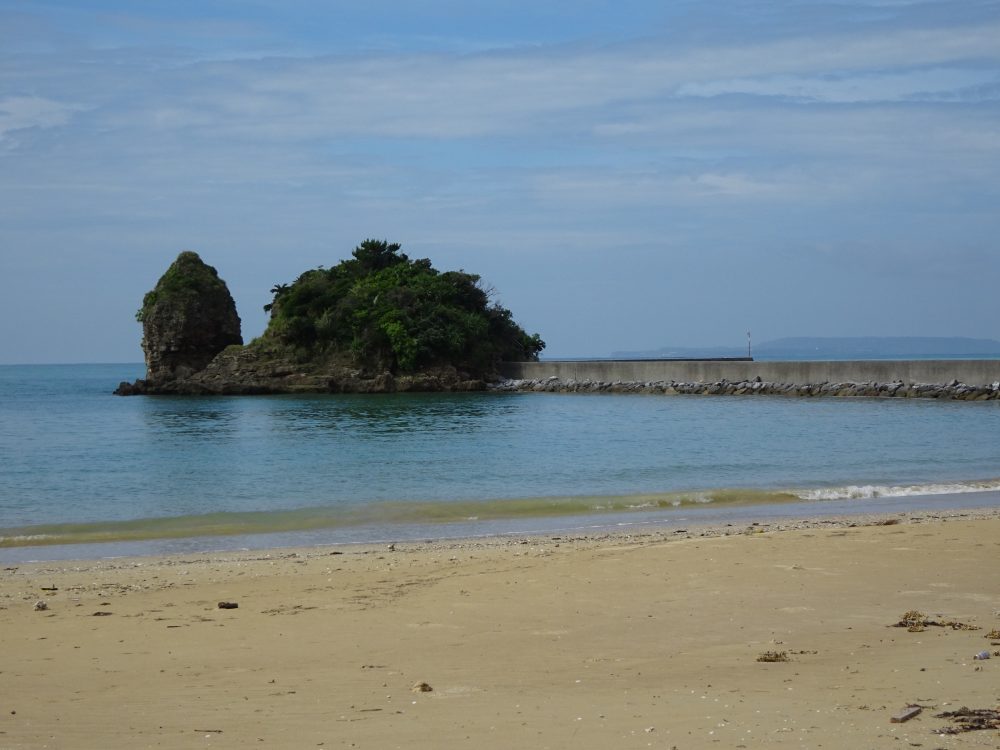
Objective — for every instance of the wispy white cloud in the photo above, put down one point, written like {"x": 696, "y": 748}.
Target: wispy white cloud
{"x": 23, "y": 112}
{"x": 442, "y": 97}
{"x": 947, "y": 84}
{"x": 448, "y": 96}
{"x": 611, "y": 190}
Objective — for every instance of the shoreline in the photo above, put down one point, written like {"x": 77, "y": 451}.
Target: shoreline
{"x": 628, "y": 639}
{"x": 648, "y": 517}
{"x": 634, "y": 534}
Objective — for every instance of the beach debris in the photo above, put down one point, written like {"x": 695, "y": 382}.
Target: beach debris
{"x": 969, "y": 720}
{"x": 421, "y": 687}
{"x": 229, "y": 605}
{"x": 773, "y": 656}
{"x": 49, "y": 588}
{"x": 41, "y": 605}
{"x": 912, "y": 620}
{"x": 905, "y": 714}
{"x": 102, "y": 613}
{"x": 917, "y": 622}
{"x": 993, "y": 635}
{"x": 982, "y": 656}
{"x": 960, "y": 625}
{"x": 209, "y": 731}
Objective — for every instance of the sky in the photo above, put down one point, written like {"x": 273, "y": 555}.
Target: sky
{"x": 626, "y": 175}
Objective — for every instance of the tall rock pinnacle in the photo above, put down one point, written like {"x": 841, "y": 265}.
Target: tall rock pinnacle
{"x": 187, "y": 319}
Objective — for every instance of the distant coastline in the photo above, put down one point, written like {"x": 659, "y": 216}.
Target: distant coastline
{"x": 835, "y": 349}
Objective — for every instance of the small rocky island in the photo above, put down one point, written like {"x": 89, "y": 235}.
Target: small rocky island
{"x": 378, "y": 322}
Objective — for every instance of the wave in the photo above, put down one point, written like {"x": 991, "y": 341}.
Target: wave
{"x": 386, "y": 514}
{"x": 872, "y": 491}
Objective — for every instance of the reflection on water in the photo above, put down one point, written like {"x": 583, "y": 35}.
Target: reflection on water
{"x": 210, "y": 417}
{"x": 373, "y": 416}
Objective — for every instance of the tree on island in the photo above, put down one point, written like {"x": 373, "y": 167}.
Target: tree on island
{"x": 396, "y": 314}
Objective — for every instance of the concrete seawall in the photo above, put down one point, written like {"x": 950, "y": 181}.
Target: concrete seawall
{"x": 942, "y": 378}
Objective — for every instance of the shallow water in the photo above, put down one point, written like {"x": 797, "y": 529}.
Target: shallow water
{"x": 81, "y": 465}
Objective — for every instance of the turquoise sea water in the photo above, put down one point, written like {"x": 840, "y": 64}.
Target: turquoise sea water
{"x": 152, "y": 474}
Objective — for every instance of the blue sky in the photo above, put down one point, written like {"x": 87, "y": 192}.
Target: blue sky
{"x": 626, "y": 175}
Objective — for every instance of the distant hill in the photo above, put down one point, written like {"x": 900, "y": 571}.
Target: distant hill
{"x": 848, "y": 347}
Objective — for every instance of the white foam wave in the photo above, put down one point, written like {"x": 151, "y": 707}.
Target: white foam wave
{"x": 22, "y": 538}
{"x": 869, "y": 491}
{"x": 675, "y": 500}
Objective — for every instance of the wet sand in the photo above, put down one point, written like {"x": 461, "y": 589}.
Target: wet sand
{"x": 635, "y": 640}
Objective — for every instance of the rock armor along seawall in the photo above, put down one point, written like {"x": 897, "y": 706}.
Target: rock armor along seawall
{"x": 187, "y": 319}
{"x": 949, "y": 391}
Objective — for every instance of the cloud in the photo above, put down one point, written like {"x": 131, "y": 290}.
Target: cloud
{"x": 737, "y": 185}
{"x": 517, "y": 91}
{"x": 935, "y": 84}
{"x": 23, "y": 112}
{"x": 446, "y": 97}
{"x": 610, "y": 190}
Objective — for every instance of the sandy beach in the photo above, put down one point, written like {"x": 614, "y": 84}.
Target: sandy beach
{"x": 613, "y": 641}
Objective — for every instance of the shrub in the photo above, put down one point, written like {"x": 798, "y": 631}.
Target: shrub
{"x": 398, "y": 314}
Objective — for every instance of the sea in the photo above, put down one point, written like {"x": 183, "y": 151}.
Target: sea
{"x": 86, "y": 474}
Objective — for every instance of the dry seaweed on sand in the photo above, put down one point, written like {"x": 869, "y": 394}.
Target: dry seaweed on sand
{"x": 969, "y": 720}
{"x": 960, "y": 625}
{"x": 916, "y": 622}
{"x": 993, "y": 635}
{"x": 773, "y": 656}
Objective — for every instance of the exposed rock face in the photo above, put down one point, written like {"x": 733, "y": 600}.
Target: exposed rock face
{"x": 255, "y": 370}
{"x": 187, "y": 319}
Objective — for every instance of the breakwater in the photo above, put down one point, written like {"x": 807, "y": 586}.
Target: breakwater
{"x": 968, "y": 380}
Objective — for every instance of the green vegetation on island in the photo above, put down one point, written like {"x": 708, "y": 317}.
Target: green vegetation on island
{"x": 392, "y": 313}
{"x": 187, "y": 278}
